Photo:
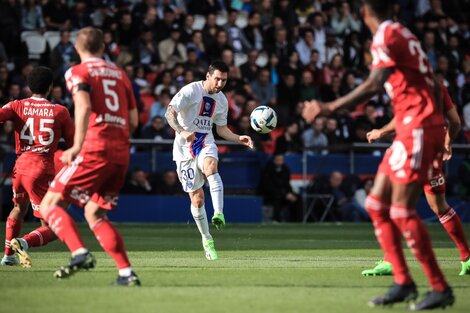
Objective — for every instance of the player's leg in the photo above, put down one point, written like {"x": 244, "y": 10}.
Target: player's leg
{"x": 198, "y": 211}
{"x": 405, "y": 199}
{"x": 216, "y": 188}
{"x": 111, "y": 241}
{"x": 12, "y": 230}
{"x": 388, "y": 236}
{"x": 453, "y": 225}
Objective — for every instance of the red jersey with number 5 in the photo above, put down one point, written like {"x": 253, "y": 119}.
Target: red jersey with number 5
{"x": 39, "y": 125}
{"x": 411, "y": 84}
{"x": 111, "y": 99}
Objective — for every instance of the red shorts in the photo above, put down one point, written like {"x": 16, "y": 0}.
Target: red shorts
{"x": 32, "y": 188}
{"x": 412, "y": 154}
{"x": 90, "y": 179}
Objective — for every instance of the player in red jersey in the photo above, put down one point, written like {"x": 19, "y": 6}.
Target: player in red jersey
{"x": 96, "y": 164}
{"x": 435, "y": 192}
{"x": 39, "y": 125}
{"x": 400, "y": 65}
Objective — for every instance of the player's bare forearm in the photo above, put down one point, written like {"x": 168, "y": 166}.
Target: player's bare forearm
{"x": 82, "y": 103}
{"x": 373, "y": 85}
{"x": 170, "y": 116}
{"x": 227, "y": 134}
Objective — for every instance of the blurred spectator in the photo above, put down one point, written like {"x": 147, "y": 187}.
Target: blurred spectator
{"x": 313, "y": 138}
{"x": 290, "y": 141}
{"x": 187, "y": 29}
{"x": 205, "y": 7}
{"x": 57, "y": 15}
{"x": 58, "y": 96}
{"x": 172, "y": 50}
{"x": 157, "y": 130}
{"x": 244, "y": 128}
{"x": 285, "y": 10}
{"x": 361, "y": 194}
{"x": 146, "y": 50}
{"x": 220, "y": 44}
{"x": 80, "y": 17}
{"x": 63, "y": 56}
{"x": 169, "y": 184}
{"x": 165, "y": 81}
{"x": 333, "y": 135}
{"x": 335, "y": 67}
{"x": 193, "y": 64}
{"x": 196, "y": 43}
{"x": 263, "y": 90}
{"x": 166, "y": 25}
{"x": 348, "y": 84}
{"x": 159, "y": 107}
{"x": 14, "y": 92}
{"x": 31, "y": 16}
{"x": 7, "y": 137}
{"x": 345, "y": 21}
{"x": 429, "y": 47}
{"x": 4, "y": 78}
{"x": 333, "y": 91}
{"x": 332, "y": 48}
{"x": 137, "y": 183}
{"x": 209, "y": 32}
{"x": 308, "y": 90}
{"x": 305, "y": 45}
{"x": 266, "y": 11}
{"x": 111, "y": 48}
{"x": 228, "y": 57}
{"x": 280, "y": 46}
{"x": 3, "y": 54}
{"x": 287, "y": 97}
{"x": 237, "y": 39}
{"x": 277, "y": 192}
{"x": 370, "y": 119}
{"x": 319, "y": 35}
{"x": 253, "y": 31}
{"x": 126, "y": 32}
{"x": 315, "y": 67}
{"x": 250, "y": 69}
{"x": 10, "y": 26}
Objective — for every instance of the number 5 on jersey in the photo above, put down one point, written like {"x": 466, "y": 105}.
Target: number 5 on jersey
{"x": 111, "y": 100}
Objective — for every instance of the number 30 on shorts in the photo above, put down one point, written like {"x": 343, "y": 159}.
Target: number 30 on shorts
{"x": 187, "y": 174}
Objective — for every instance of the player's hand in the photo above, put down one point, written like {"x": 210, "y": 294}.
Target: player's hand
{"x": 190, "y": 137}
{"x": 69, "y": 155}
{"x": 447, "y": 155}
{"x": 311, "y": 110}
{"x": 246, "y": 140}
{"x": 374, "y": 135}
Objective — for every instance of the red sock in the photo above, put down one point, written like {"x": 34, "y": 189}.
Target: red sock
{"x": 12, "y": 230}
{"x": 388, "y": 236}
{"x": 65, "y": 228}
{"x": 111, "y": 241}
{"x": 452, "y": 224}
{"x": 41, "y": 236}
{"x": 419, "y": 242}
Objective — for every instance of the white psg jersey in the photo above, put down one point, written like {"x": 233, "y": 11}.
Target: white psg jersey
{"x": 197, "y": 111}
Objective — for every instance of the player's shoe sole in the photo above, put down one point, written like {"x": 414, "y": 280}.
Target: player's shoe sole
{"x": 435, "y": 299}
{"x": 382, "y": 268}
{"x": 80, "y": 262}
{"x": 25, "y": 260}
{"x": 218, "y": 220}
{"x": 397, "y": 293}
{"x": 209, "y": 250}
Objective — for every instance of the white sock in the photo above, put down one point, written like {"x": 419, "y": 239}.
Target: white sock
{"x": 79, "y": 251}
{"x": 216, "y": 188}
{"x": 127, "y": 271}
{"x": 200, "y": 217}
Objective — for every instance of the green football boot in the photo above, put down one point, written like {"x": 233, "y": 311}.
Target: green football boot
{"x": 465, "y": 268}
{"x": 382, "y": 268}
{"x": 218, "y": 220}
{"x": 209, "y": 249}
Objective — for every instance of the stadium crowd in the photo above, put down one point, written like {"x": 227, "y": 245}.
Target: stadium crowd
{"x": 280, "y": 53}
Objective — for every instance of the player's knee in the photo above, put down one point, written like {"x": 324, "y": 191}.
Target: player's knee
{"x": 210, "y": 167}
{"x": 197, "y": 199}
{"x": 377, "y": 208}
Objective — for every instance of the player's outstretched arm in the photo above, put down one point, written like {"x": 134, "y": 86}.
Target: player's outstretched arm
{"x": 373, "y": 84}
{"x": 379, "y": 133}
{"x": 170, "y": 116}
{"x": 82, "y": 103}
{"x": 227, "y": 134}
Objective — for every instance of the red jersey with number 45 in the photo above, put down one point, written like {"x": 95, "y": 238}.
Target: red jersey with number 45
{"x": 410, "y": 86}
{"x": 39, "y": 125}
{"x": 111, "y": 99}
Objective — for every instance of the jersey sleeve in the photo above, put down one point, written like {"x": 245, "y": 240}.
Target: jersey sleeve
{"x": 386, "y": 48}
{"x": 7, "y": 112}
{"x": 220, "y": 118}
{"x": 75, "y": 78}
{"x": 182, "y": 100}
{"x": 448, "y": 103}
{"x": 68, "y": 128}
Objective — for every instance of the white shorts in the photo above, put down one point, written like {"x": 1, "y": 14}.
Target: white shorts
{"x": 191, "y": 172}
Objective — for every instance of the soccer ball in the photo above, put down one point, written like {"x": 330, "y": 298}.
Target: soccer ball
{"x": 263, "y": 119}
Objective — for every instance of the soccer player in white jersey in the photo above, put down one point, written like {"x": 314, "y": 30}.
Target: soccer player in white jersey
{"x": 191, "y": 113}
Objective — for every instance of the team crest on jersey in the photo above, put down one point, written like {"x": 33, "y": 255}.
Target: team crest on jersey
{"x": 207, "y": 106}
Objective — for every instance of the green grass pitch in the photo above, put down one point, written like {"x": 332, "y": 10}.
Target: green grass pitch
{"x": 275, "y": 268}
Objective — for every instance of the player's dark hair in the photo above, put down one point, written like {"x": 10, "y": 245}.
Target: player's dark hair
{"x": 381, "y": 8}
{"x": 40, "y": 80}
{"x": 91, "y": 39}
{"x": 218, "y": 65}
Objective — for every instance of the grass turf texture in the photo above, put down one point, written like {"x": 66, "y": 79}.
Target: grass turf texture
{"x": 276, "y": 268}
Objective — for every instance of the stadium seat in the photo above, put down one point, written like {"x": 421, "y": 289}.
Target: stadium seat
{"x": 73, "y": 36}
{"x": 262, "y": 59}
{"x": 242, "y": 20}
{"x": 221, "y": 19}
{"x": 28, "y": 33}
{"x": 240, "y": 58}
{"x": 36, "y": 44}
{"x": 53, "y": 38}
{"x": 199, "y": 22}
